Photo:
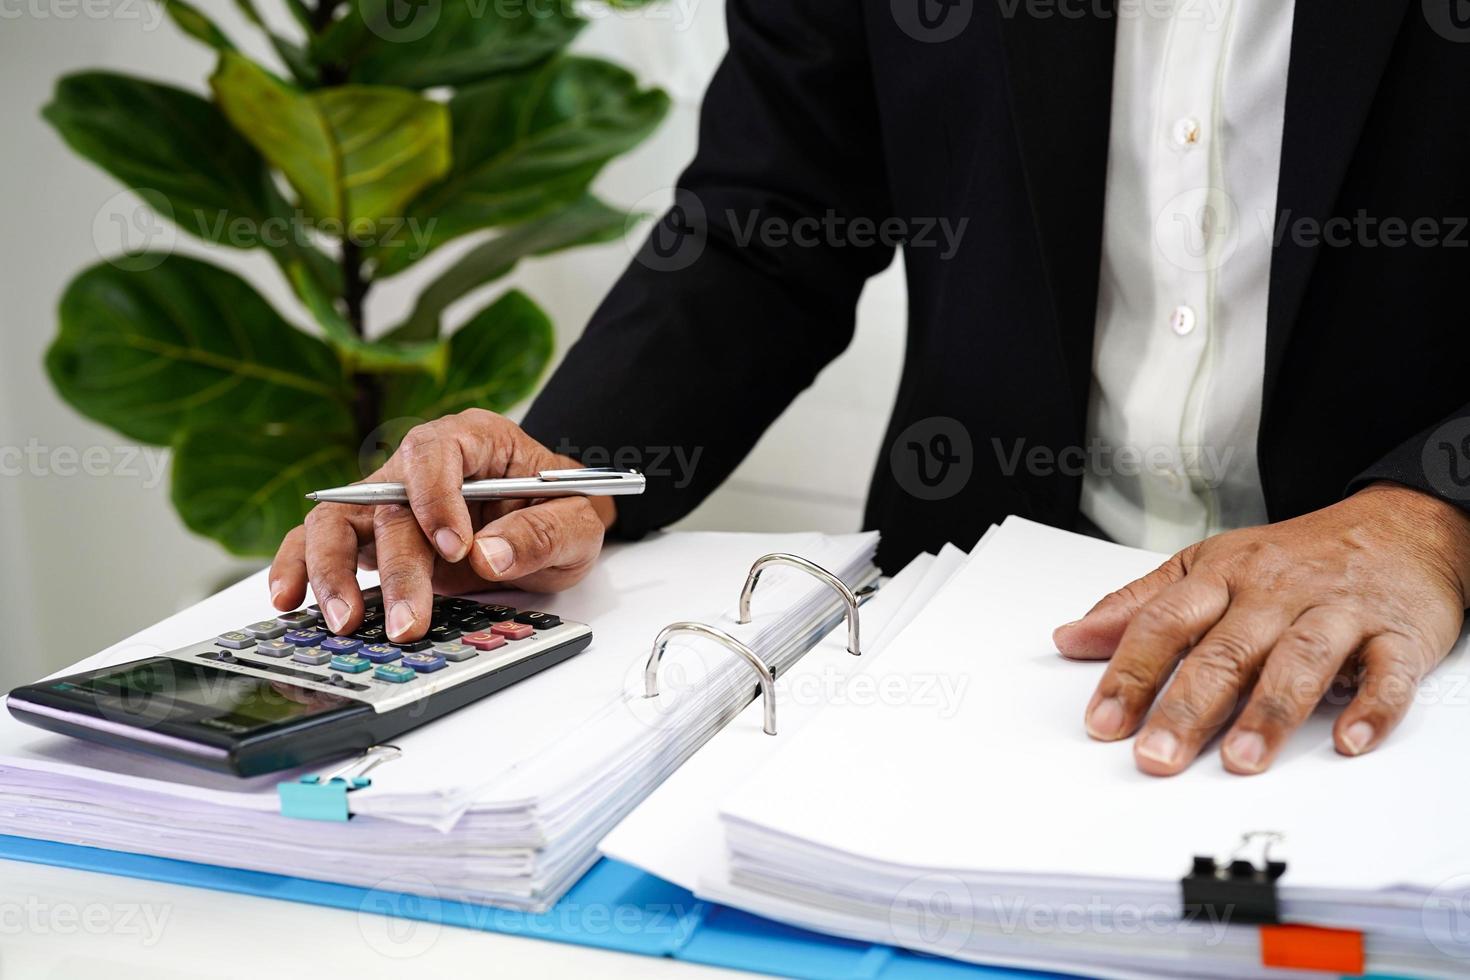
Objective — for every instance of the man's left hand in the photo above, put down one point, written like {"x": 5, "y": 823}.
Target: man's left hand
{"x": 1370, "y": 591}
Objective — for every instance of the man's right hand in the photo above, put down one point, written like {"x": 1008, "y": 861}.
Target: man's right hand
{"x": 439, "y": 542}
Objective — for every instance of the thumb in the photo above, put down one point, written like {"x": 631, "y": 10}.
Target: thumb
{"x": 550, "y": 544}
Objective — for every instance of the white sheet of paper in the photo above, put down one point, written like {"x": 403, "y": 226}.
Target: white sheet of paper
{"x": 1011, "y": 784}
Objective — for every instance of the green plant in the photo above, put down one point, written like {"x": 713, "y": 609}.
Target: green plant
{"x": 346, "y": 172}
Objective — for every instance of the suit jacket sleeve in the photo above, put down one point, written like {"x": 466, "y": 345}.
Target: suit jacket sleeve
{"x": 732, "y": 306}
{"x": 1436, "y": 461}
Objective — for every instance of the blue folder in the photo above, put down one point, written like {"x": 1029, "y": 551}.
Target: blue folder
{"x": 615, "y": 906}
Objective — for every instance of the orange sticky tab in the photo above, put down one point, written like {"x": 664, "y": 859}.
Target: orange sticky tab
{"x": 1311, "y": 948}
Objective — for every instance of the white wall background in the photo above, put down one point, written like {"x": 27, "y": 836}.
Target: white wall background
{"x": 86, "y": 559}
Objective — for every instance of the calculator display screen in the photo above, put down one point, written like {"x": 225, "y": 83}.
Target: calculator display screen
{"x": 161, "y": 689}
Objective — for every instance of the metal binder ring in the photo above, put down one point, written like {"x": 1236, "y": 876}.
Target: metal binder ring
{"x": 853, "y": 646}
{"x": 767, "y": 678}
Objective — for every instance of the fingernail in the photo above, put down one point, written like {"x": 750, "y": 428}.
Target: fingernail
{"x": 400, "y": 618}
{"x": 1106, "y": 719}
{"x": 498, "y": 554}
{"x": 1359, "y": 736}
{"x": 450, "y": 545}
{"x": 337, "y": 610}
{"x": 1160, "y": 746}
{"x": 276, "y": 589}
{"x": 1246, "y": 750}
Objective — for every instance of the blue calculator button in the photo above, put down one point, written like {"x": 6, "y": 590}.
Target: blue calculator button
{"x": 380, "y": 653}
{"x": 341, "y": 644}
{"x": 306, "y": 637}
{"x": 426, "y": 662}
{"x": 394, "y": 674}
{"x": 315, "y": 656}
{"x": 350, "y": 663}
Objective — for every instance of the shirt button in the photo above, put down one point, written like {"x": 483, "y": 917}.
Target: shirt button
{"x": 1182, "y": 320}
{"x": 1187, "y": 132}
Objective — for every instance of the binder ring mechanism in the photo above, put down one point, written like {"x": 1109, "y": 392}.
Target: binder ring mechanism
{"x": 852, "y": 599}
{"x": 764, "y": 674}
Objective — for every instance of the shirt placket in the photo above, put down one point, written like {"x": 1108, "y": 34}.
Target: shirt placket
{"x": 1191, "y": 222}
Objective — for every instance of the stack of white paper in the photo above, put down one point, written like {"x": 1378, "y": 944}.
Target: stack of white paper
{"x": 502, "y": 801}
{"x": 998, "y": 832}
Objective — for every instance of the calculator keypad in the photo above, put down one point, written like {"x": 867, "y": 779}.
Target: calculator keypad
{"x": 512, "y": 630}
{"x": 484, "y": 640}
{"x": 425, "y": 662}
{"x": 460, "y": 635}
{"x": 394, "y": 674}
{"x": 299, "y": 620}
{"x": 274, "y": 648}
{"x": 380, "y": 653}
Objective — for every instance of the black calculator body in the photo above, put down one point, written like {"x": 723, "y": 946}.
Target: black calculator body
{"x": 283, "y": 692}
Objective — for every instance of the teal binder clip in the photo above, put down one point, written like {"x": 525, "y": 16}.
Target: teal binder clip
{"x": 325, "y": 797}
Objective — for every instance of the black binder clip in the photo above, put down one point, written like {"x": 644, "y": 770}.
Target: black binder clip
{"x": 1236, "y": 890}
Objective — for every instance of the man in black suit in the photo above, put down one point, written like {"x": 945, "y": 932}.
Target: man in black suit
{"x": 1189, "y": 274}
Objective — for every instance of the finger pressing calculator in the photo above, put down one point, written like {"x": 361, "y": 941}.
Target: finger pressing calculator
{"x": 285, "y": 692}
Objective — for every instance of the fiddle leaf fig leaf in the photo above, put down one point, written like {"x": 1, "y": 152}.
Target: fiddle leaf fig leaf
{"x": 586, "y": 222}
{"x": 526, "y": 144}
{"x": 178, "y": 153}
{"x": 153, "y": 345}
{"x": 197, "y": 25}
{"x": 424, "y": 43}
{"x": 494, "y": 361}
{"x": 354, "y": 154}
{"x": 246, "y": 488}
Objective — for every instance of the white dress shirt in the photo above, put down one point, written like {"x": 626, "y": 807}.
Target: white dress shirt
{"x": 1199, "y": 95}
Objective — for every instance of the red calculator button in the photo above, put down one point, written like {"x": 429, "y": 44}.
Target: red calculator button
{"x": 512, "y": 631}
{"x": 483, "y": 641}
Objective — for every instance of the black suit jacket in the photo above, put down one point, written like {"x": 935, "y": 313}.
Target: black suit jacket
{"x": 984, "y": 110}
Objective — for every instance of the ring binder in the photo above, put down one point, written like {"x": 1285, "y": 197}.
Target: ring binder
{"x": 764, "y": 673}
{"x": 325, "y": 798}
{"x": 1236, "y": 890}
{"x": 796, "y": 561}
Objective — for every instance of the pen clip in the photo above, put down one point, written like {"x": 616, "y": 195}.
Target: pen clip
{"x": 589, "y": 473}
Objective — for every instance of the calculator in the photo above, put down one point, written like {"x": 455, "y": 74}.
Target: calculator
{"x": 285, "y": 692}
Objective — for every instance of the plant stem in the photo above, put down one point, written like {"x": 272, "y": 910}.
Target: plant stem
{"x": 321, "y": 15}
{"x": 367, "y": 402}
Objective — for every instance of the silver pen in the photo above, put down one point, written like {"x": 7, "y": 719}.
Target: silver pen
{"x": 596, "y": 482}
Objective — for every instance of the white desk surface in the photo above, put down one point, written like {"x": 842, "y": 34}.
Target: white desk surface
{"x": 60, "y": 924}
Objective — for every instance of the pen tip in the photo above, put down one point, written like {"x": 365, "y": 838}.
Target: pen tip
{"x": 311, "y": 496}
